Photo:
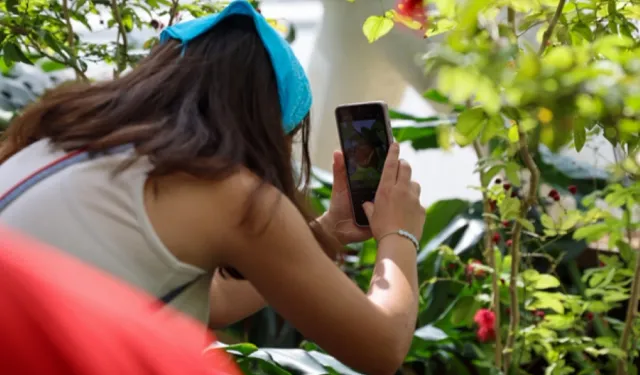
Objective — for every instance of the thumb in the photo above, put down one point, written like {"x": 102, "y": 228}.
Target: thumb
{"x": 368, "y": 210}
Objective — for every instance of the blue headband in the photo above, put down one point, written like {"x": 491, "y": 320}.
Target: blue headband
{"x": 293, "y": 85}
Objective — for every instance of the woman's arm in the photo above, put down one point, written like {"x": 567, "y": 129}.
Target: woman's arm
{"x": 371, "y": 332}
{"x": 233, "y": 300}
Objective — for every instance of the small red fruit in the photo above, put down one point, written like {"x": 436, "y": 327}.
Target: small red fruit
{"x": 573, "y": 189}
{"x": 505, "y": 224}
{"x": 539, "y": 313}
{"x": 509, "y": 243}
{"x": 496, "y": 237}
{"x": 589, "y": 316}
{"x": 472, "y": 270}
{"x": 506, "y": 186}
{"x": 492, "y": 205}
{"x": 553, "y": 193}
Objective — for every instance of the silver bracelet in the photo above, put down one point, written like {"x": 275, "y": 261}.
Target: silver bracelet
{"x": 405, "y": 234}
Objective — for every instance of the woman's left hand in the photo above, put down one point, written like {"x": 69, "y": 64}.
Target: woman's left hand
{"x": 338, "y": 220}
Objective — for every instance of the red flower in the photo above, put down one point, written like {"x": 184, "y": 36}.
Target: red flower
{"x": 472, "y": 270}
{"x": 486, "y": 321}
{"x": 509, "y": 242}
{"x": 553, "y": 194}
{"x": 496, "y": 237}
{"x": 505, "y": 224}
{"x": 413, "y": 10}
{"x": 539, "y": 314}
{"x": 573, "y": 189}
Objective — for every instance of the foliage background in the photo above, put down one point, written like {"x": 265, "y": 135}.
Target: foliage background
{"x": 523, "y": 252}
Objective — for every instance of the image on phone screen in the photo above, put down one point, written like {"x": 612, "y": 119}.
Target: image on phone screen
{"x": 364, "y": 143}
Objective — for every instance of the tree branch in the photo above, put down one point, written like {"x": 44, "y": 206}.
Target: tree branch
{"x": 491, "y": 260}
{"x": 527, "y": 202}
{"x": 70, "y": 36}
{"x": 121, "y": 53}
{"x": 173, "y": 12}
{"x": 552, "y": 25}
{"x": 632, "y": 307}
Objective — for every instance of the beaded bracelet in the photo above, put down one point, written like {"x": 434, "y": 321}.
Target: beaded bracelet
{"x": 405, "y": 234}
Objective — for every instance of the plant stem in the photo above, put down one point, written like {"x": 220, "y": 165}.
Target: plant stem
{"x": 527, "y": 202}
{"x": 70, "y": 36}
{"x": 173, "y": 11}
{"x": 552, "y": 24}
{"x": 491, "y": 260}
{"x": 121, "y": 54}
{"x": 632, "y": 307}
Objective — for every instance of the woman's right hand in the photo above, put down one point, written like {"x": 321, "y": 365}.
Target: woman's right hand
{"x": 397, "y": 203}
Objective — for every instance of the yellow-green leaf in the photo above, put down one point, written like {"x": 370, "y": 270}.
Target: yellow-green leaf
{"x": 513, "y": 134}
{"x": 375, "y": 27}
{"x": 545, "y": 281}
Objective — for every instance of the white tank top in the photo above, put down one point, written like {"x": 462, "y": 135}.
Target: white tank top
{"x": 87, "y": 211}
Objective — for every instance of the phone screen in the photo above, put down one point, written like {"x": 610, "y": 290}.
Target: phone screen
{"x": 364, "y": 137}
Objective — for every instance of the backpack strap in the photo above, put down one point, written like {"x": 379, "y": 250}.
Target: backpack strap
{"x": 60, "y": 164}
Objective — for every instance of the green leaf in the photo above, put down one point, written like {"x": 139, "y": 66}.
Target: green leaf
{"x": 12, "y": 6}
{"x": 441, "y": 214}
{"x": 420, "y": 137}
{"x": 13, "y": 53}
{"x": 511, "y": 169}
{"x": 526, "y": 224}
{"x": 435, "y": 96}
{"x": 579, "y": 136}
{"x": 463, "y": 311}
{"x": 375, "y": 27}
{"x": 547, "y": 222}
{"x": 545, "y": 281}
{"x": 591, "y": 233}
{"x": 513, "y": 135}
{"x": 469, "y": 125}
{"x": 509, "y": 208}
{"x": 488, "y": 176}
{"x": 243, "y": 348}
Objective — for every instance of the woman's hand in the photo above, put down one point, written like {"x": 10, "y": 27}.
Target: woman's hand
{"x": 397, "y": 205}
{"x": 338, "y": 220}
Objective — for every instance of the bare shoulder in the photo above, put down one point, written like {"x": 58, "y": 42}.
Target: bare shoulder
{"x": 196, "y": 218}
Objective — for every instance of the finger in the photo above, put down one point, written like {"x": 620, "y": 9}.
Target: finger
{"x": 390, "y": 171}
{"x": 404, "y": 172}
{"x": 339, "y": 172}
{"x": 368, "y": 210}
{"x": 416, "y": 188}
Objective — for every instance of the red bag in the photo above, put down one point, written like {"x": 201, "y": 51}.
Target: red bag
{"x": 60, "y": 316}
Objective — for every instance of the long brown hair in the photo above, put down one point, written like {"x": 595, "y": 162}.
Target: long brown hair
{"x": 205, "y": 113}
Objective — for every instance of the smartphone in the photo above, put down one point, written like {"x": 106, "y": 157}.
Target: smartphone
{"x": 365, "y": 137}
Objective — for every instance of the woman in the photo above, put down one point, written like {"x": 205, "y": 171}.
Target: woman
{"x": 189, "y": 172}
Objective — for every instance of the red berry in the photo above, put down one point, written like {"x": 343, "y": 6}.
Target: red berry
{"x": 573, "y": 189}
{"x": 506, "y": 186}
{"x": 492, "y": 205}
{"x": 505, "y": 224}
{"x": 509, "y": 243}
{"x": 589, "y": 316}
{"x": 472, "y": 270}
{"x": 496, "y": 237}
{"x": 539, "y": 313}
{"x": 556, "y": 198}
{"x": 553, "y": 193}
